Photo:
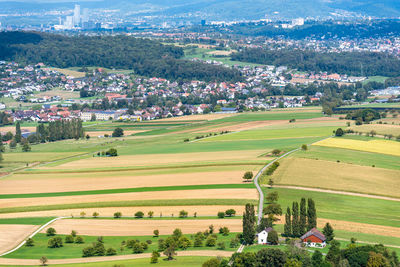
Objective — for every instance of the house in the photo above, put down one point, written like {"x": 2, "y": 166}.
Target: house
{"x": 263, "y": 236}
{"x": 314, "y": 238}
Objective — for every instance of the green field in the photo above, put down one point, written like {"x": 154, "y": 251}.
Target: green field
{"x": 28, "y": 220}
{"x": 75, "y": 250}
{"x": 266, "y": 134}
{"x": 350, "y": 156}
{"x": 344, "y": 207}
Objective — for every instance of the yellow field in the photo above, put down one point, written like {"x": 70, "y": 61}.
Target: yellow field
{"x": 381, "y": 129}
{"x": 375, "y": 146}
{"x": 140, "y": 227}
{"x": 338, "y": 176}
{"x": 209, "y": 210}
{"x": 161, "y": 159}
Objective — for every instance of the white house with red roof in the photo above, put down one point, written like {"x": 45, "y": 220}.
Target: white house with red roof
{"x": 314, "y": 238}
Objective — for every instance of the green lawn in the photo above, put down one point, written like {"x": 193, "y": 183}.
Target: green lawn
{"x": 75, "y": 250}
{"x": 350, "y": 156}
{"x": 28, "y": 220}
{"x": 343, "y": 207}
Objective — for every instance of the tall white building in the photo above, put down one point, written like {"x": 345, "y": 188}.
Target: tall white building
{"x": 85, "y": 15}
{"x": 77, "y": 15}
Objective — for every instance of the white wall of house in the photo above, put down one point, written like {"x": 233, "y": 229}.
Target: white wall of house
{"x": 262, "y": 237}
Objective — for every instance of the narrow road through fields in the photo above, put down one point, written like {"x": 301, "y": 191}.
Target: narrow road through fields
{"x": 256, "y": 182}
{"x": 32, "y": 235}
{"x": 260, "y": 192}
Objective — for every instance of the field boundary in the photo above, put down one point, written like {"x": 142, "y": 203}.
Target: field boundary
{"x": 331, "y": 191}
{"x": 32, "y": 235}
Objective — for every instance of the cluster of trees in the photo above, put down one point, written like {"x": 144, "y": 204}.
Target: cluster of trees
{"x": 118, "y": 132}
{"x": 5, "y": 119}
{"x": 350, "y": 63}
{"x": 271, "y": 169}
{"x": 58, "y": 130}
{"x": 98, "y": 249}
{"x": 363, "y": 116}
{"x": 144, "y": 56}
{"x": 112, "y": 152}
{"x": 227, "y": 213}
{"x": 352, "y": 255}
{"x": 298, "y": 222}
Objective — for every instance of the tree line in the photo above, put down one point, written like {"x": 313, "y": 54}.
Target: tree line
{"x": 59, "y": 130}
{"x": 144, "y": 56}
{"x": 350, "y": 63}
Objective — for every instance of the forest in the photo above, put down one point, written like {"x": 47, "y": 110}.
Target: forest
{"x": 350, "y": 63}
{"x": 144, "y": 56}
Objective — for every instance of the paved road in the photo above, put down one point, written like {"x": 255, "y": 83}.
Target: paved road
{"x": 260, "y": 192}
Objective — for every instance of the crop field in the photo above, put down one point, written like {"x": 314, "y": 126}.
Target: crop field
{"x": 338, "y": 176}
{"x": 12, "y": 234}
{"x": 273, "y": 134}
{"x": 380, "y": 129}
{"x": 200, "y": 209}
{"x": 183, "y": 194}
{"x": 374, "y": 145}
{"x": 65, "y": 182}
{"x": 169, "y": 165}
{"x": 350, "y": 156}
{"x": 123, "y": 227}
{"x": 163, "y": 159}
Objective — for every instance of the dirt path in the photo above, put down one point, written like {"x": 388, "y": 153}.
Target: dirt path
{"x": 337, "y": 192}
{"x": 207, "y": 253}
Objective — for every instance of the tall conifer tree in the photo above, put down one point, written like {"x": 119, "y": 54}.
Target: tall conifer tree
{"x": 295, "y": 220}
{"x": 303, "y": 217}
{"x": 288, "y": 223}
{"x": 311, "y": 214}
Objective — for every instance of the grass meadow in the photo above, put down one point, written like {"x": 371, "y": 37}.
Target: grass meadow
{"x": 75, "y": 250}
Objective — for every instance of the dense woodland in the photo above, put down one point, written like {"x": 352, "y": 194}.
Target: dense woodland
{"x": 144, "y": 56}
{"x": 350, "y": 63}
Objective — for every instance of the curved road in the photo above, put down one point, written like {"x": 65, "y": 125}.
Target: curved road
{"x": 260, "y": 192}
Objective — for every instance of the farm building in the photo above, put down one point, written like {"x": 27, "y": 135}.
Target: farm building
{"x": 314, "y": 238}
{"x": 263, "y": 236}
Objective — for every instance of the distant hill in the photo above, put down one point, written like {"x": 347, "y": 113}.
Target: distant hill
{"x": 230, "y": 9}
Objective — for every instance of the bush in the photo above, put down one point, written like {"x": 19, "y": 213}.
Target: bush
{"x": 339, "y": 132}
{"x": 224, "y": 231}
{"x": 230, "y": 212}
{"x": 117, "y": 215}
{"x": 88, "y": 252}
{"x": 55, "y": 242}
{"x": 221, "y": 245}
{"x": 79, "y": 240}
{"x": 234, "y": 243}
{"x": 156, "y": 233}
{"x": 248, "y": 176}
{"x": 111, "y": 252}
{"x": 276, "y": 152}
{"x": 69, "y": 239}
{"x": 211, "y": 241}
{"x": 137, "y": 248}
{"x": 29, "y": 242}
{"x": 304, "y": 147}
{"x": 112, "y": 152}
{"x": 51, "y": 231}
{"x": 221, "y": 214}
{"x": 273, "y": 237}
{"x": 139, "y": 214}
{"x": 183, "y": 214}
{"x": 198, "y": 242}
{"x": 118, "y": 132}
